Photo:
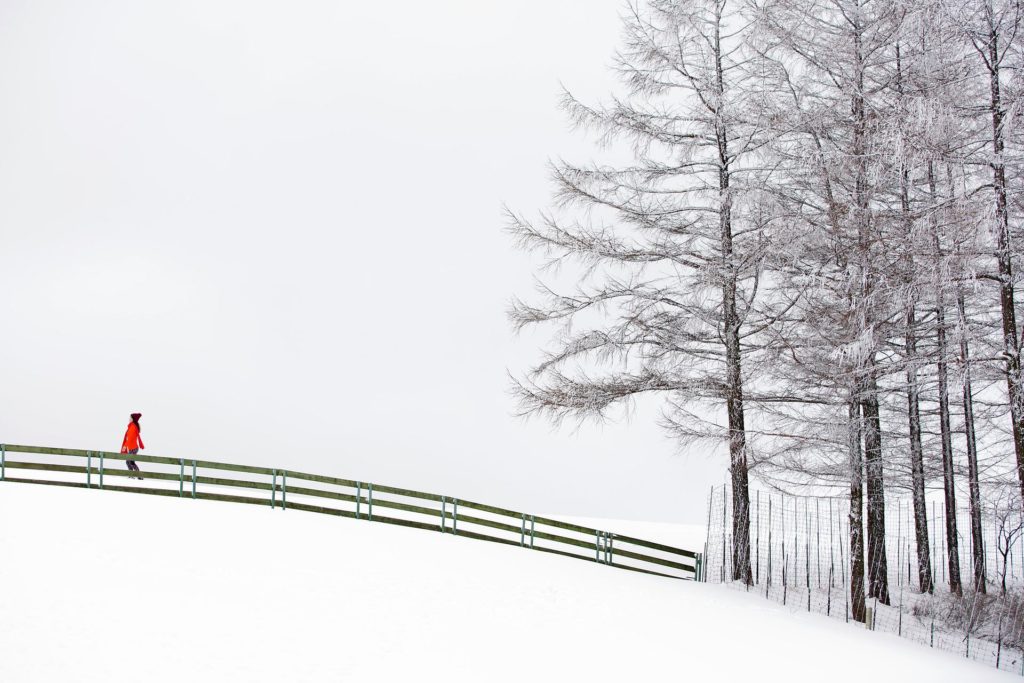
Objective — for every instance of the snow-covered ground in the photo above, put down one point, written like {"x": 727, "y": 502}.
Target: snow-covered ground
{"x": 104, "y": 586}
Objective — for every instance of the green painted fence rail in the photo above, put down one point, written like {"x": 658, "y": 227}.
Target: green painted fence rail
{"x": 291, "y": 490}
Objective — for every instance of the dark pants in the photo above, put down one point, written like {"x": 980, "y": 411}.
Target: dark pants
{"x": 131, "y": 463}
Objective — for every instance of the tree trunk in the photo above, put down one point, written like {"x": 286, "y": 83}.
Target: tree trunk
{"x": 952, "y": 545}
{"x": 857, "y": 605}
{"x": 924, "y": 559}
{"x": 1011, "y": 349}
{"x": 740, "y": 494}
{"x": 974, "y": 486}
{"x": 878, "y": 568}
{"x": 731, "y": 324}
{"x": 878, "y": 585}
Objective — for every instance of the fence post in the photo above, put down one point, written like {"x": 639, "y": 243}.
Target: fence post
{"x": 88, "y": 470}
{"x": 522, "y": 532}
{"x": 707, "y": 535}
{"x": 724, "y": 525}
{"x": 831, "y": 546}
{"x": 3, "y": 462}
{"x": 785, "y": 566}
{"x": 369, "y": 488}
{"x": 284, "y": 489}
{"x": 455, "y": 516}
{"x": 817, "y": 540}
{"x": 609, "y": 545}
{"x": 828, "y": 604}
{"x": 533, "y": 520}
{"x": 899, "y": 631}
{"x": 359, "y": 498}
{"x": 181, "y": 477}
{"x": 193, "y": 478}
{"x": 999, "y": 641}
{"x": 101, "y": 469}
{"x": 757, "y": 539}
{"x": 273, "y": 491}
{"x": 442, "y": 513}
{"x": 768, "y": 574}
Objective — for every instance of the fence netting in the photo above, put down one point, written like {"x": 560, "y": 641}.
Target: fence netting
{"x": 800, "y": 557}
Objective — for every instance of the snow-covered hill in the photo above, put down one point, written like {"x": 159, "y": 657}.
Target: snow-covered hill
{"x": 106, "y": 587}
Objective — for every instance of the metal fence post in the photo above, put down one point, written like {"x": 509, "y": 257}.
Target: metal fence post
{"x": 533, "y": 520}
{"x": 359, "y": 498}
{"x": 999, "y": 641}
{"x": 284, "y": 490}
{"x": 193, "y": 478}
{"x": 369, "y": 490}
{"x": 181, "y": 477}
{"x": 88, "y": 470}
{"x": 101, "y": 469}
{"x": 442, "y": 513}
{"x": 455, "y": 516}
{"x": 522, "y": 532}
{"x": 707, "y": 537}
{"x": 3, "y": 462}
{"x": 273, "y": 491}
{"x": 899, "y": 628}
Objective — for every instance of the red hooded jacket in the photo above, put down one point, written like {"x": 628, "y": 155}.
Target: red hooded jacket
{"x": 132, "y": 439}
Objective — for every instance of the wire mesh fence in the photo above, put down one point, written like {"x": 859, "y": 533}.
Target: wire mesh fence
{"x": 800, "y": 557}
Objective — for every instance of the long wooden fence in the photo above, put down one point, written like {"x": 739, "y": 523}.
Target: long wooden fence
{"x": 290, "y": 490}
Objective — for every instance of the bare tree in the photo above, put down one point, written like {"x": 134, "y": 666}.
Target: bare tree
{"x": 838, "y": 61}
{"x": 673, "y": 244}
{"x": 973, "y": 480}
{"x": 797, "y": 260}
{"x": 1009, "y": 524}
{"x": 948, "y": 484}
{"x": 910, "y": 336}
{"x": 991, "y": 28}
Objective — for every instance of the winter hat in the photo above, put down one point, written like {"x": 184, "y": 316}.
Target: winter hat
{"x": 136, "y": 416}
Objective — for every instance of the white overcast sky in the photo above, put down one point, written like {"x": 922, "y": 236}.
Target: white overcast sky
{"x": 274, "y": 228}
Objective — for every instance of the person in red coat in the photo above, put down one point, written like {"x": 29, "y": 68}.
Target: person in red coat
{"x": 133, "y": 441}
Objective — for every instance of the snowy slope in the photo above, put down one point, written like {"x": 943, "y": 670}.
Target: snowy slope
{"x": 102, "y": 586}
